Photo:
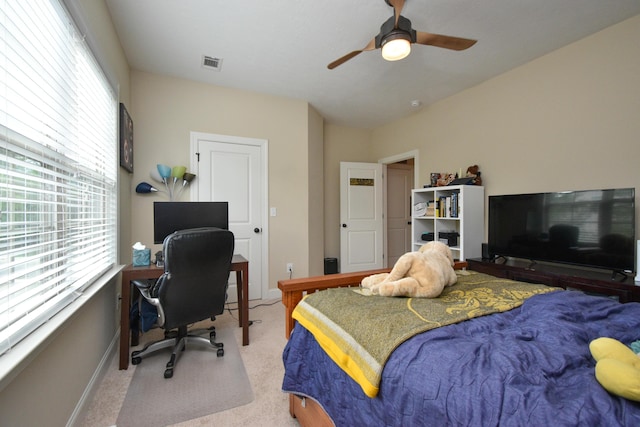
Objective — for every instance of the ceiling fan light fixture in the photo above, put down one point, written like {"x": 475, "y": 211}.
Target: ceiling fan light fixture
{"x": 396, "y": 46}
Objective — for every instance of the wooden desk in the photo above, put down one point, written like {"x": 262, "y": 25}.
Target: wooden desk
{"x": 238, "y": 264}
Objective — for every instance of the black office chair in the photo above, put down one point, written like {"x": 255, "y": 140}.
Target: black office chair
{"x": 192, "y": 288}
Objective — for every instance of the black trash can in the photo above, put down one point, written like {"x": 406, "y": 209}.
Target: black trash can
{"x": 330, "y": 265}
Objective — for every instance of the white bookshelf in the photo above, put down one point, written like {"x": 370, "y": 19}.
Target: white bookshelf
{"x": 462, "y": 214}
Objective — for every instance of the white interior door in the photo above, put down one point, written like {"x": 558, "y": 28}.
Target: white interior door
{"x": 232, "y": 169}
{"x": 361, "y": 216}
{"x": 399, "y": 185}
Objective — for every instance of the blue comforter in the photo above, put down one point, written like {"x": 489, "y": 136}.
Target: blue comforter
{"x": 530, "y": 366}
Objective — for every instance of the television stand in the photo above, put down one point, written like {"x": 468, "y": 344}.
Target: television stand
{"x": 589, "y": 281}
{"x": 622, "y": 274}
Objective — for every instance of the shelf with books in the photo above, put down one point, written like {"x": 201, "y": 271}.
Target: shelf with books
{"x": 451, "y": 214}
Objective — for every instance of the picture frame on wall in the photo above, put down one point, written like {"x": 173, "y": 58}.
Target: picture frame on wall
{"x": 126, "y": 139}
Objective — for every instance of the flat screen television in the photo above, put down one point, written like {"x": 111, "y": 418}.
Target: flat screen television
{"x": 169, "y": 217}
{"x": 592, "y": 228}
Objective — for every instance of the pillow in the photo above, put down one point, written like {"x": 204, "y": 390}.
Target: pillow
{"x": 608, "y": 348}
{"x": 617, "y": 368}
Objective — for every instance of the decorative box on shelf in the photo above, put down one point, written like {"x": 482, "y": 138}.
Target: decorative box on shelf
{"x": 449, "y": 237}
{"x": 427, "y": 237}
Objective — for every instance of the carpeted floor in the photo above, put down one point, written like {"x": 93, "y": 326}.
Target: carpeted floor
{"x": 202, "y": 384}
{"x": 262, "y": 360}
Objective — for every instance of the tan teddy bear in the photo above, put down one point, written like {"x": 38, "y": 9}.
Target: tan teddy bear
{"x": 424, "y": 274}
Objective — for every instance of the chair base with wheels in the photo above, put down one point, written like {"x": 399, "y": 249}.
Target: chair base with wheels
{"x": 179, "y": 340}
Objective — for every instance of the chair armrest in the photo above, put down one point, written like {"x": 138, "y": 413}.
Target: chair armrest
{"x": 144, "y": 283}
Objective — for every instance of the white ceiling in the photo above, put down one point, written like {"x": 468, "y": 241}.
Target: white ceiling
{"x": 282, "y": 47}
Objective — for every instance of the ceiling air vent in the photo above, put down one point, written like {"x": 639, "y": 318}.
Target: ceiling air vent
{"x": 212, "y": 63}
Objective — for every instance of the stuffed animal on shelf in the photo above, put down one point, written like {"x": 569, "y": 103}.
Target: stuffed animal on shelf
{"x": 617, "y": 367}
{"x": 445, "y": 179}
{"x": 423, "y": 274}
{"x": 474, "y": 172}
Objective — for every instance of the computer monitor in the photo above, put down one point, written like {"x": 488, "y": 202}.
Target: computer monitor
{"x": 169, "y": 217}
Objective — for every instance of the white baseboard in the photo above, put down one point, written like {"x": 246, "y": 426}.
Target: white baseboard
{"x": 274, "y": 294}
{"x": 232, "y": 294}
{"x": 82, "y": 406}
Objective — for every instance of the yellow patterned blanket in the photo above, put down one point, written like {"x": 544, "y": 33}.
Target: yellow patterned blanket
{"x": 359, "y": 332}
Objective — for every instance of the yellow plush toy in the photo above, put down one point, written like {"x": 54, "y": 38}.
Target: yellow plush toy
{"x": 617, "y": 367}
{"x": 424, "y": 274}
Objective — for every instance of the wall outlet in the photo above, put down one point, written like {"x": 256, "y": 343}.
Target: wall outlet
{"x": 289, "y": 267}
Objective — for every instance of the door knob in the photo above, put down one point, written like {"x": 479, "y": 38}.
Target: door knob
{"x": 256, "y": 230}
{"x": 344, "y": 225}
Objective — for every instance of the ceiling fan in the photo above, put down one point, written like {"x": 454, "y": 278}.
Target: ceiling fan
{"x": 396, "y": 36}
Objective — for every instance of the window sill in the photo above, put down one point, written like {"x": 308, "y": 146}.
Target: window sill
{"x": 16, "y": 359}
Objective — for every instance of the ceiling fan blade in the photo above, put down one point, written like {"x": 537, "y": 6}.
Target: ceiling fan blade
{"x": 447, "y": 42}
{"x": 397, "y": 9}
{"x": 370, "y": 46}
{"x": 344, "y": 59}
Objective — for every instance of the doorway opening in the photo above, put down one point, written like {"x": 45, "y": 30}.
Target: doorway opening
{"x": 402, "y": 176}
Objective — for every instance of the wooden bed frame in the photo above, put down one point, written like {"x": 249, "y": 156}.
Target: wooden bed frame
{"x": 307, "y": 411}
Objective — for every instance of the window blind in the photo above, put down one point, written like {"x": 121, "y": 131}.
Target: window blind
{"x": 58, "y": 166}
{"x": 595, "y": 213}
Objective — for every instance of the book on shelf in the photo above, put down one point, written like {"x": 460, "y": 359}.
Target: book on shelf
{"x": 445, "y": 207}
{"x": 454, "y": 205}
{"x": 431, "y": 208}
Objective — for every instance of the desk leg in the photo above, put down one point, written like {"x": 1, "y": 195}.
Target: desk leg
{"x": 245, "y": 304}
{"x": 125, "y": 292}
{"x": 242, "y": 282}
{"x": 240, "y": 293}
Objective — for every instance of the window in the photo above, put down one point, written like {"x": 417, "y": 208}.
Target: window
{"x": 58, "y": 166}
{"x": 594, "y": 213}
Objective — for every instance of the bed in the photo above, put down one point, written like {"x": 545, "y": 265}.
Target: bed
{"x": 528, "y": 364}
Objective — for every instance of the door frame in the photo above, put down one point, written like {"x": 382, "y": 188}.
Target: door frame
{"x": 405, "y": 170}
{"x": 264, "y": 160}
{"x": 413, "y": 154}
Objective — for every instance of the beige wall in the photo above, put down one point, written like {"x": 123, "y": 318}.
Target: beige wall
{"x": 47, "y": 390}
{"x": 341, "y": 144}
{"x": 316, "y": 193}
{"x": 566, "y": 121}
{"x": 165, "y": 110}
